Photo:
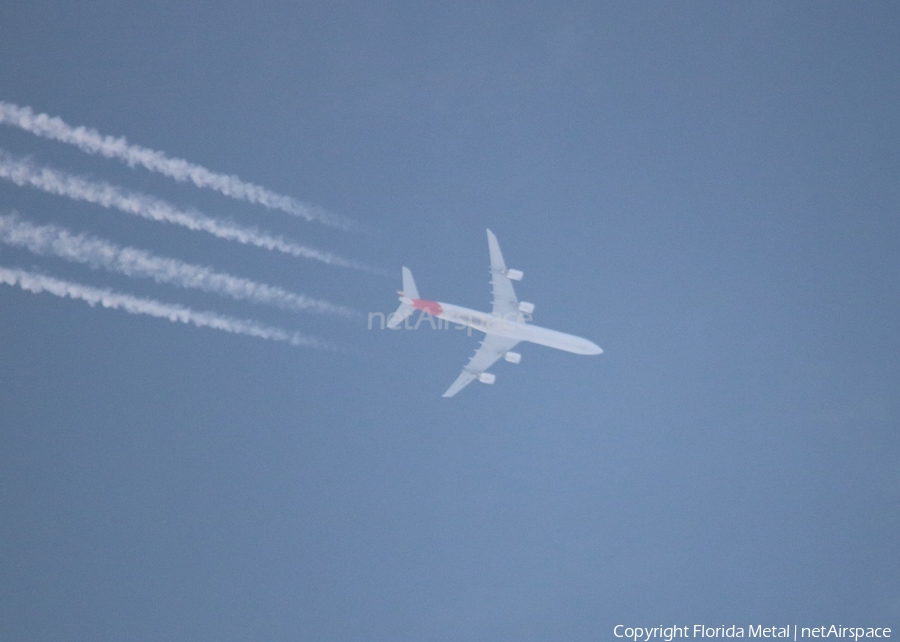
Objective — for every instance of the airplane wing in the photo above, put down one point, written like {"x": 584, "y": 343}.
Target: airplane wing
{"x": 492, "y": 348}
{"x": 505, "y": 301}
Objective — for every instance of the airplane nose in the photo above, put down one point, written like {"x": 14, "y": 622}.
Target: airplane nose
{"x": 592, "y": 348}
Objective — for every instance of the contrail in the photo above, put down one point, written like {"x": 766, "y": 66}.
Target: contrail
{"x": 37, "y": 283}
{"x": 92, "y": 142}
{"x": 23, "y": 172}
{"x": 89, "y": 250}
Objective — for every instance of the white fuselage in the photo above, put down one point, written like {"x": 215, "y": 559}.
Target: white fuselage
{"x": 514, "y": 328}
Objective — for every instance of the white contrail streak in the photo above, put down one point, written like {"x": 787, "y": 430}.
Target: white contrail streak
{"x": 37, "y": 283}
{"x": 92, "y": 142}
{"x": 23, "y": 172}
{"x": 89, "y": 250}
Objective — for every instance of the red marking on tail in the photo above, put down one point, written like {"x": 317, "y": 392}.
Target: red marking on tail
{"x": 431, "y": 307}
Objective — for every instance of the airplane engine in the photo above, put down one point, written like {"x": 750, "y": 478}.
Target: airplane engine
{"x": 525, "y": 307}
{"x": 513, "y": 357}
{"x": 487, "y": 377}
{"x": 515, "y": 275}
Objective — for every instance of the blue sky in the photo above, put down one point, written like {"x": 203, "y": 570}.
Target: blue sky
{"x": 707, "y": 190}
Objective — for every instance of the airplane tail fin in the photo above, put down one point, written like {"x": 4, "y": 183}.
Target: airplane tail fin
{"x": 409, "y": 294}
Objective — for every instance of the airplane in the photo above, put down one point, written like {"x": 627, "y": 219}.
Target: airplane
{"x": 504, "y": 327}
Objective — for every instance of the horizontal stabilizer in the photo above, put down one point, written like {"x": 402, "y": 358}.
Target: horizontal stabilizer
{"x": 398, "y": 317}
